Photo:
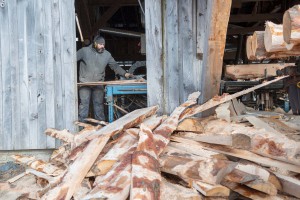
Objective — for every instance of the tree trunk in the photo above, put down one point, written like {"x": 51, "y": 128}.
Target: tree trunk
{"x": 291, "y": 25}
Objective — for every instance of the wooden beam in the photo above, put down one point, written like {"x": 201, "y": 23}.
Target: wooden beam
{"x": 244, "y": 30}
{"x": 106, "y": 16}
{"x": 109, "y": 2}
{"x": 213, "y": 55}
{"x": 251, "y": 71}
{"x": 255, "y": 17}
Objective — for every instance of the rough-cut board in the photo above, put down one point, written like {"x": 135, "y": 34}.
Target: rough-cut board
{"x": 38, "y": 165}
{"x": 122, "y": 82}
{"x": 291, "y": 25}
{"x": 209, "y": 190}
{"x": 263, "y": 186}
{"x": 251, "y": 71}
{"x": 290, "y": 185}
{"x": 193, "y": 124}
{"x": 146, "y": 177}
{"x": 247, "y": 155}
{"x": 171, "y": 191}
{"x": 101, "y": 167}
{"x": 208, "y": 170}
{"x": 222, "y": 99}
{"x": 164, "y": 131}
{"x": 198, "y": 152}
{"x": 116, "y": 183}
{"x": 63, "y": 135}
{"x": 249, "y": 192}
{"x": 236, "y": 140}
{"x": 71, "y": 181}
{"x": 238, "y": 176}
{"x": 273, "y": 144}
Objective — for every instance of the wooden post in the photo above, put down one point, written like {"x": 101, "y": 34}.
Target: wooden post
{"x": 213, "y": 54}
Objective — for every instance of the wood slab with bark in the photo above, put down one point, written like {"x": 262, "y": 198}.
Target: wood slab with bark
{"x": 71, "y": 181}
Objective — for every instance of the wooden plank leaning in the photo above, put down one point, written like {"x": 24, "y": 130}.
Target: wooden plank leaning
{"x": 79, "y": 168}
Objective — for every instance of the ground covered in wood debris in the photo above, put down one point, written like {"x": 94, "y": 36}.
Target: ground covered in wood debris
{"x": 237, "y": 153}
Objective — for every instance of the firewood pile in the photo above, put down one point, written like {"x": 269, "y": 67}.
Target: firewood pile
{"x": 234, "y": 154}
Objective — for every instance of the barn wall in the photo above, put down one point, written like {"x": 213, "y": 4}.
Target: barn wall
{"x": 185, "y": 46}
{"x": 37, "y": 72}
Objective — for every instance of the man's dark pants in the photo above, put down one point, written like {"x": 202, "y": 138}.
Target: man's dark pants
{"x": 97, "y": 95}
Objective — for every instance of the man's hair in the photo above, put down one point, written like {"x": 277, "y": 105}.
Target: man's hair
{"x": 99, "y": 40}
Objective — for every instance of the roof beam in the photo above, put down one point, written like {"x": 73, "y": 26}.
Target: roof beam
{"x": 255, "y": 18}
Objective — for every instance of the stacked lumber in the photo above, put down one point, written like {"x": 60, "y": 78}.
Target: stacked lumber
{"x": 144, "y": 156}
{"x": 277, "y": 40}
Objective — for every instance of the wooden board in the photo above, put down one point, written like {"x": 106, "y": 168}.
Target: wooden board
{"x": 251, "y": 71}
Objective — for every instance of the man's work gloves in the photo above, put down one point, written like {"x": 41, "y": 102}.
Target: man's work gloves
{"x": 128, "y": 75}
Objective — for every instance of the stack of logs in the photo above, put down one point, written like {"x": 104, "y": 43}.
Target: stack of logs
{"x": 278, "y": 40}
{"x": 230, "y": 155}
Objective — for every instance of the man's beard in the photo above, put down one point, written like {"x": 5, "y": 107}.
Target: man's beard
{"x": 100, "y": 50}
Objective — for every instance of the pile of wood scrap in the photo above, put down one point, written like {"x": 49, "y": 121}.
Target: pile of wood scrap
{"x": 233, "y": 154}
{"x": 277, "y": 40}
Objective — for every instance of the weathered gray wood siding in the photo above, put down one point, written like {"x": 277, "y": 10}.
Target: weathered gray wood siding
{"x": 173, "y": 69}
{"x": 37, "y": 72}
{"x": 179, "y": 38}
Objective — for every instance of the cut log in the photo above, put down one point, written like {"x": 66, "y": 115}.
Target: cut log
{"x": 273, "y": 37}
{"x": 173, "y": 191}
{"x": 251, "y": 71}
{"x": 291, "y": 25}
{"x": 146, "y": 177}
{"x": 207, "y": 170}
{"x": 222, "y": 99}
{"x": 257, "y": 46}
{"x": 249, "y": 51}
{"x": 64, "y": 135}
{"x": 72, "y": 180}
{"x": 38, "y": 165}
{"x": 239, "y": 153}
{"x": 211, "y": 190}
{"x": 290, "y": 185}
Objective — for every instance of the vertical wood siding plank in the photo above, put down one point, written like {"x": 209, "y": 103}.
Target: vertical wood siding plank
{"x": 155, "y": 76}
{"x": 49, "y": 73}
{"x": 32, "y": 73}
{"x": 57, "y": 64}
{"x": 23, "y": 74}
{"x": 15, "y": 83}
{"x": 69, "y": 65}
{"x": 171, "y": 53}
{"x": 1, "y": 83}
{"x": 40, "y": 62}
{"x": 6, "y": 78}
{"x": 186, "y": 25}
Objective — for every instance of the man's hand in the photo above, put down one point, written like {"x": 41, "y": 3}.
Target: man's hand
{"x": 128, "y": 75}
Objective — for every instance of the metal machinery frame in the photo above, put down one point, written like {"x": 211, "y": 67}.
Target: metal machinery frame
{"x": 112, "y": 90}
